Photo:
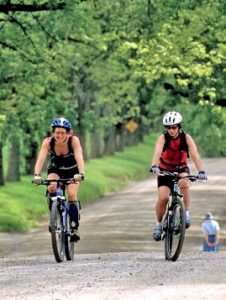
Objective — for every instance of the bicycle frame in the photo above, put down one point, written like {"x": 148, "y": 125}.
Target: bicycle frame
{"x": 174, "y": 218}
{"x": 62, "y": 205}
{"x": 60, "y": 231}
{"x": 60, "y": 219}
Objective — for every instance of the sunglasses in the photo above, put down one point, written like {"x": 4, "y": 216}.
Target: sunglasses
{"x": 171, "y": 127}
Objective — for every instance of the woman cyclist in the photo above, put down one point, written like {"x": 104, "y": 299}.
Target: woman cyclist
{"x": 65, "y": 160}
{"x": 172, "y": 150}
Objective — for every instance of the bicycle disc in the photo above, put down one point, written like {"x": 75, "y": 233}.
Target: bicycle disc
{"x": 175, "y": 231}
{"x": 57, "y": 233}
{"x": 69, "y": 246}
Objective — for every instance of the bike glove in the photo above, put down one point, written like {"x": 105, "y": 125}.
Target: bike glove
{"x": 79, "y": 177}
{"x": 154, "y": 169}
{"x": 37, "y": 179}
{"x": 202, "y": 175}
{"x": 82, "y": 176}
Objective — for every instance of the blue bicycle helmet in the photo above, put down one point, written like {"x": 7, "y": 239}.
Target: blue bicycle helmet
{"x": 61, "y": 122}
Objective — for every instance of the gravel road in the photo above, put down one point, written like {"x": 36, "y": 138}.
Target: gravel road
{"x": 116, "y": 257}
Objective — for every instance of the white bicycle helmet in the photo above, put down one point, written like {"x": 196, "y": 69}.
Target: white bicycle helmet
{"x": 172, "y": 118}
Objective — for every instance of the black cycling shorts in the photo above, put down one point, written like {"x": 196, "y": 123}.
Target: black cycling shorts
{"x": 167, "y": 180}
{"x": 63, "y": 174}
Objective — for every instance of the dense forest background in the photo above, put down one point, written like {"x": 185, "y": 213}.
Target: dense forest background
{"x": 113, "y": 68}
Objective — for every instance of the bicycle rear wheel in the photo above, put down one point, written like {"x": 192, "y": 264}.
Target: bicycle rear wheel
{"x": 57, "y": 233}
{"x": 175, "y": 231}
{"x": 69, "y": 246}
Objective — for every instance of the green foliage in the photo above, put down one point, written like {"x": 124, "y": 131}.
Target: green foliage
{"x": 206, "y": 122}
{"x": 184, "y": 48}
{"x": 101, "y": 63}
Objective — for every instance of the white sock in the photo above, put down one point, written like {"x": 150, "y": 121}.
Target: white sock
{"x": 187, "y": 213}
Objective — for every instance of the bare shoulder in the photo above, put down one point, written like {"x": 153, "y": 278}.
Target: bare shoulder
{"x": 189, "y": 139}
{"x": 45, "y": 147}
{"x": 46, "y": 142}
{"x": 160, "y": 143}
{"x": 161, "y": 139}
{"x": 75, "y": 141}
{"x": 191, "y": 143}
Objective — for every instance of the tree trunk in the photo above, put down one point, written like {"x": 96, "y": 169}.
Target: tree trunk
{"x": 30, "y": 158}
{"x": 13, "y": 172}
{"x": 81, "y": 134}
{"x": 82, "y": 99}
{"x": 95, "y": 140}
{"x": 140, "y": 133}
{"x": 109, "y": 147}
{"x": 1, "y": 166}
{"x": 132, "y": 138}
{"x": 120, "y": 137}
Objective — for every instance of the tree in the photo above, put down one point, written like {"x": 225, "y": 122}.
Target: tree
{"x": 102, "y": 63}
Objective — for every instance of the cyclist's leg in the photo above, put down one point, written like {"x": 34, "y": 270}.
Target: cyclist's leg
{"x": 163, "y": 196}
{"x": 51, "y": 191}
{"x": 72, "y": 191}
{"x": 160, "y": 208}
{"x": 185, "y": 190}
{"x": 164, "y": 187}
{"x": 52, "y": 187}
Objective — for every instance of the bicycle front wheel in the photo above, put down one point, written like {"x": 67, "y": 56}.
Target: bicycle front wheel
{"x": 57, "y": 233}
{"x": 175, "y": 231}
{"x": 69, "y": 246}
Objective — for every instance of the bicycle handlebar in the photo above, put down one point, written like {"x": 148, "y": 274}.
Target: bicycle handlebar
{"x": 178, "y": 176}
{"x": 64, "y": 181}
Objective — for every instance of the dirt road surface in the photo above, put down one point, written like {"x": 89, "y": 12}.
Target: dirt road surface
{"x": 116, "y": 257}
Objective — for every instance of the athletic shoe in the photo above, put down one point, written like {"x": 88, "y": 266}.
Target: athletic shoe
{"x": 187, "y": 222}
{"x": 157, "y": 235}
{"x": 75, "y": 236}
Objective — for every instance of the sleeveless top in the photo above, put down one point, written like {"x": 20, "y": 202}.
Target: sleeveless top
{"x": 175, "y": 153}
{"x": 62, "y": 162}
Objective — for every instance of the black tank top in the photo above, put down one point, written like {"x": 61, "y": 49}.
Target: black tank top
{"x": 62, "y": 162}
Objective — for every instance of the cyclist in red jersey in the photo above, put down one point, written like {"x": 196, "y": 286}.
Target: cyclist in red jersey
{"x": 65, "y": 160}
{"x": 172, "y": 150}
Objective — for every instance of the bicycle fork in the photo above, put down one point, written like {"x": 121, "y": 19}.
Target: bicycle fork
{"x": 169, "y": 218}
{"x": 62, "y": 208}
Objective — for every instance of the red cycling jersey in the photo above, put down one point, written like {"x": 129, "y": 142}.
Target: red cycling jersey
{"x": 174, "y": 157}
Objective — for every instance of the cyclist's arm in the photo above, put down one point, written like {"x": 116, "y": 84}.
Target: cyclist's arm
{"x": 194, "y": 153}
{"x": 158, "y": 150}
{"x": 41, "y": 157}
{"x": 78, "y": 154}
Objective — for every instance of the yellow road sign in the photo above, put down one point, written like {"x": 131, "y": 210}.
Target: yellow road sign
{"x": 131, "y": 126}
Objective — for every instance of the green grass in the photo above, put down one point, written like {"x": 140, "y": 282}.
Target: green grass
{"x": 23, "y": 205}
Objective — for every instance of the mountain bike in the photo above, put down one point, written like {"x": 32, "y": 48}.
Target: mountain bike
{"x": 60, "y": 219}
{"x": 174, "y": 219}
